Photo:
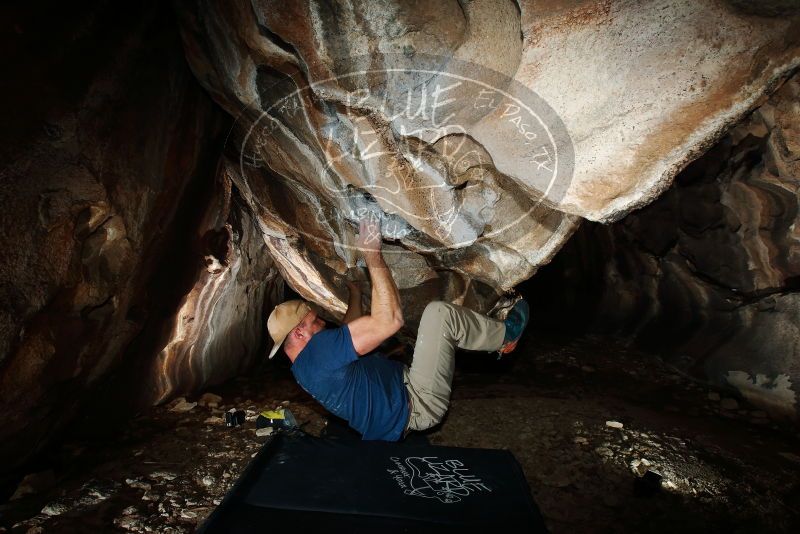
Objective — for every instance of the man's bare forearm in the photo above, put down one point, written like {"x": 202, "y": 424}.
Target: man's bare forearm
{"x": 386, "y": 317}
{"x": 385, "y": 296}
{"x": 354, "y": 310}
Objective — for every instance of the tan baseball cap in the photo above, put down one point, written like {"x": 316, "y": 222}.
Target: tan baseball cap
{"x": 283, "y": 319}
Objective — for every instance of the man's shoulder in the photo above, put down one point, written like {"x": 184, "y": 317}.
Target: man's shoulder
{"x": 336, "y": 340}
{"x": 336, "y": 334}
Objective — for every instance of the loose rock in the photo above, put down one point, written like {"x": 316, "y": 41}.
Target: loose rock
{"x": 136, "y": 483}
{"x": 163, "y": 475}
{"x": 791, "y": 457}
{"x": 55, "y": 508}
{"x": 183, "y": 406}
{"x": 209, "y": 400}
{"x": 34, "y": 483}
{"x": 640, "y": 466}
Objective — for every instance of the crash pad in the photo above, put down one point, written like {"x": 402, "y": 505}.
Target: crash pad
{"x": 298, "y": 480}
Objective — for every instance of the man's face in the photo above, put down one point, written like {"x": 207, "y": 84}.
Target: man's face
{"x": 311, "y": 324}
{"x": 300, "y": 335}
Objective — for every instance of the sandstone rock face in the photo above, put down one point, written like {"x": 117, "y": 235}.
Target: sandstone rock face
{"x": 109, "y": 154}
{"x": 709, "y": 273}
{"x": 480, "y": 132}
{"x": 646, "y": 87}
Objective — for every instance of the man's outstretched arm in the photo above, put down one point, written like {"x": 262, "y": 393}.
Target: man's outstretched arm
{"x": 386, "y": 316}
{"x": 354, "y": 309}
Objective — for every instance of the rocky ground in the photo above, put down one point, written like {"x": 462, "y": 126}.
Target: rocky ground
{"x": 611, "y": 440}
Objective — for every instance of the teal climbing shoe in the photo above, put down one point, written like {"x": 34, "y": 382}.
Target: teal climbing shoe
{"x": 515, "y": 322}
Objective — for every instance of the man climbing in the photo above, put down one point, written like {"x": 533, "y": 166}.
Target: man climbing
{"x": 380, "y": 398}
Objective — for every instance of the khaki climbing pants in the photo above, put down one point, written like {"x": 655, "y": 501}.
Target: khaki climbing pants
{"x": 443, "y": 327}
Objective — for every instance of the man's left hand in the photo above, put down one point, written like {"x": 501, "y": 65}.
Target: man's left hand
{"x": 369, "y": 235}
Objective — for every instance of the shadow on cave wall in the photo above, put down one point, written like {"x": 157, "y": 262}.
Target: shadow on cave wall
{"x": 706, "y": 276}
{"x": 110, "y": 187}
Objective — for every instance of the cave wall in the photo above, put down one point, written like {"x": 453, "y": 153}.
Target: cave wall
{"x": 112, "y": 204}
{"x": 337, "y": 114}
{"x": 708, "y": 275}
{"x": 136, "y": 252}
{"x": 219, "y": 329}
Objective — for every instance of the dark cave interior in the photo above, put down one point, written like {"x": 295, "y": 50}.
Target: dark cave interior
{"x": 139, "y": 269}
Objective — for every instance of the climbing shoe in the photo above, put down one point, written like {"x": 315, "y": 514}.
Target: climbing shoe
{"x": 516, "y": 321}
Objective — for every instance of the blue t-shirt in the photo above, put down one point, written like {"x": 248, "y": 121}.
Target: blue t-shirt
{"x": 368, "y": 392}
